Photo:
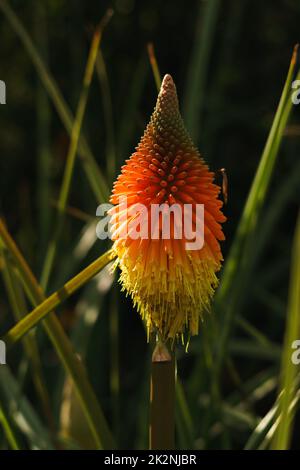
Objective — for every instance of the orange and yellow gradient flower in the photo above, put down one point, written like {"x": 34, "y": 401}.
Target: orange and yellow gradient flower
{"x": 170, "y": 285}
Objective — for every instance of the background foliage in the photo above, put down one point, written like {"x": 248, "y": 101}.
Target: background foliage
{"x": 229, "y": 60}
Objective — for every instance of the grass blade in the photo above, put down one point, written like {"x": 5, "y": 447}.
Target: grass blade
{"x": 127, "y": 124}
{"x": 18, "y": 305}
{"x": 184, "y": 421}
{"x": 108, "y": 116}
{"x": 67, "y": 178}
{"x": 64, "y": 349}
{"x": 43, "y": 124}
{"x": 198, "y": 68}
{"x": 54, "y": 300}
{"x": 268, "y": 425}
{"x": 239, "y": 261}
{"x": 9, "y": 431}
{"x": 287, "y": 391}
{"x": 154, "y": 65}
{"x": 21, "y": 413}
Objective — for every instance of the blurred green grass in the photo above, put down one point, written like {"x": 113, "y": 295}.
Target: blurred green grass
{"x": 232, "y": 74}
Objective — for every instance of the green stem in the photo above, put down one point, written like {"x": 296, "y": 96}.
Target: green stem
{"x": 288, "y": 389}
{"x": 111, "y": 157}
{"x": 114, "y": 360}
{"x": 162, "y": 399}
{"x": 9, "y": 431}
{"x": 154, "y": 65}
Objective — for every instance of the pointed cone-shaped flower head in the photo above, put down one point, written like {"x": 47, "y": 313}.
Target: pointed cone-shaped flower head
{"x": 170, "y": 282}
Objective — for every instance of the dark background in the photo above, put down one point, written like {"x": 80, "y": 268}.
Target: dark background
{"x": 244, "y": 60}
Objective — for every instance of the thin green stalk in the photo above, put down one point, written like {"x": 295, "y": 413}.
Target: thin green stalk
{"x": 43, "y": 124}
{"x": 282, "y": 194}
{"x": 154, "y": 65}
{"x": 131, "y": 104}
{"x": 92, "y": 170}
{"x": 21, "y": 414}
{"x": 254, "y": 332}
{"x": 264, "y": 432}
{"x": 289, "y": 369}
{"x": 108, "y": 116}
{"x": 76, "y": 213}
{"x": 111, "y": 160}
{"x": 114, "y": 358}
{"x": 184, "y": 420}
{"x": 10, "y": 434}
{"x": 72, "y": 365}
{"x": 162, "y": 399}
{"x": 54, "y": 300}
{"x": 76, "y": 129}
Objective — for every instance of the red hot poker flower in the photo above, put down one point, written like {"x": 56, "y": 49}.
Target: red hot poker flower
{"x": 170, "y": 284}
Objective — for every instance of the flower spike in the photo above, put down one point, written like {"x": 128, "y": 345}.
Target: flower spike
{"x": 170, "y": 283}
